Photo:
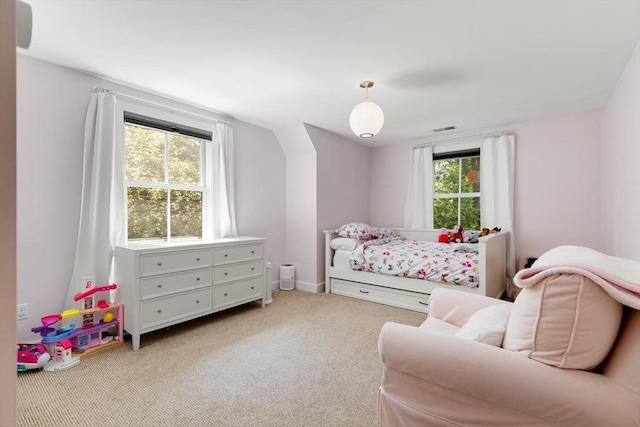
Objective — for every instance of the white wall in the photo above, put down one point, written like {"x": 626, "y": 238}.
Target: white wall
{"x": 7, "y": 213}
{"x": 301, "y": 203}
{"x": 327, "y": 185}
{"x": 557, "y": 182}
{"x": 52, "y": 104}
{"x": 621, "y": 164}
{"x": 343, "y": 185}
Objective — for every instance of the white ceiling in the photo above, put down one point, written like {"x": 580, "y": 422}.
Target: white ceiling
{"x": 471, "y": 64}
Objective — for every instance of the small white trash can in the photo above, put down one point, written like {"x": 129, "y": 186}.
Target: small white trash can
{"x": 287, "y": 277}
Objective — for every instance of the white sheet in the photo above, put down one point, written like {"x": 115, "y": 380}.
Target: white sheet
{"x": 341, "y": 259}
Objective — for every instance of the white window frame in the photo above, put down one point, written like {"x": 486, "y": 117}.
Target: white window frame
{"x": 452, "y": 149}
{"x": 210, "y": 161}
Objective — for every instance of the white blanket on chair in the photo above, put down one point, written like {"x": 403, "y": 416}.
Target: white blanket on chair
{"x": 619, "y": 277}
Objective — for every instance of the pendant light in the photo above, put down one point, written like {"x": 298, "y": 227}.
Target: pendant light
{"x": 367, "y": 118}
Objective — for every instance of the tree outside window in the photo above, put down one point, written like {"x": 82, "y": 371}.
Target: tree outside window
{"x": 164, "y": 176}
{"x": 456, "y": 184}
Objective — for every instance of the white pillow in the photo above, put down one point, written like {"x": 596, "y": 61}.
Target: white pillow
{"x": 487, "y": 325}
{"x": 345, "y": 244}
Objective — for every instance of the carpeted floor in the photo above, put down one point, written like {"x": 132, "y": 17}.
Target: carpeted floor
{"x": 304, "y": 360}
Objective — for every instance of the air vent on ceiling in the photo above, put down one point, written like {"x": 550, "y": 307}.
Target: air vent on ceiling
{"x": 444, "y": 129}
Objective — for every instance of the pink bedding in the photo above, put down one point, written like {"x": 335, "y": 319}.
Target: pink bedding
{"x": 453, "y": 263}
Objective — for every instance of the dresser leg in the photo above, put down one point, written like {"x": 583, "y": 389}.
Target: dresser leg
{"x": 135, "y": 341}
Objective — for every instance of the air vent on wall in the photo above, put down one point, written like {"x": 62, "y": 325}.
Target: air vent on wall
{"x": 444, "y": 129}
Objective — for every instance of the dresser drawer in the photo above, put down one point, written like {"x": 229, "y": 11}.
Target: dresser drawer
{"x": 168, "y": 309}
{"x": 155, "y": 286}
{"x": 243, "y": 270}
{"x": 237, "y": 253}
{"x": 236, "y": 292}
{"x": 174, "y": 261}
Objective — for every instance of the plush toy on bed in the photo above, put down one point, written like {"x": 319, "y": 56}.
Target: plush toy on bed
{"x": 444, "y": 236}
{"x": 470, "y": 237}
{"x": 457, "y": 236}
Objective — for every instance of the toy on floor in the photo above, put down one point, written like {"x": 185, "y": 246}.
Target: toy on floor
{"x": 63, "y": 357}
{"x": 101, "y": 328}
{"x": 31, "y": 356}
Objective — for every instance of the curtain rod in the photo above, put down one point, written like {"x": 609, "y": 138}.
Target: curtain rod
{"x": 159, "y": 105}
{"x": 464, "y": 138}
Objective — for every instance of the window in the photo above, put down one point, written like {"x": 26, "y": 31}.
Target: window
{"x": 456, "y": 188}
{"x": 166, "y": 179}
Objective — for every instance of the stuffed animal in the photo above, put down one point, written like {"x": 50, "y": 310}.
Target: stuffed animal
{"x": 456, "y": 235}
{"x": 470, "y": 237}
{"x": 484, "y": 232}
{"x": 444, "y": 236}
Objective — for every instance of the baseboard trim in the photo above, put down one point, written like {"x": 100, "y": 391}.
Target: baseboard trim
{"x": 314, "y": 288}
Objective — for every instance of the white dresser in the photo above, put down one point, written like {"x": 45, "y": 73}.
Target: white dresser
{"x": 165, "y": 284}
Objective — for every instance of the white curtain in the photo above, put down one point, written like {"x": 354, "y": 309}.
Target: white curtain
{"x": 226, "y": 215}
{"x": 418, "y": 210}
{"x": 497, "y": 156}
{"x": 102, "y": 205}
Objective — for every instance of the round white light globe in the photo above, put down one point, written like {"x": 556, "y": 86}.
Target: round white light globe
{"x": 366, "y": 119}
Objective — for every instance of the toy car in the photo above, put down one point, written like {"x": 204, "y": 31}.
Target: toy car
{"x": 32, "y": 356}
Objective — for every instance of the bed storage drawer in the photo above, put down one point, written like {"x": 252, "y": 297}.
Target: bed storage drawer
{"x": 398, "y": 298}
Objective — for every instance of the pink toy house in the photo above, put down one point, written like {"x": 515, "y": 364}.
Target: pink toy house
{"x": 62, "y": 358}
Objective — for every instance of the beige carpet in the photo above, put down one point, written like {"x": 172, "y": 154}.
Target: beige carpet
{"x": 303, "y": 360}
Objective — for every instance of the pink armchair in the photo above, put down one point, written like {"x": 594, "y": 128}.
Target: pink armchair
{"x": 434, "y": 378}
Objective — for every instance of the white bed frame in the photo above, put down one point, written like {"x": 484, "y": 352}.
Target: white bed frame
{"x": 413, "y": 294}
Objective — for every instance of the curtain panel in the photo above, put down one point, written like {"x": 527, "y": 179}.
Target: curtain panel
{"x": 418, "y": 211}
{"x": 102, "y": 213}
{"x": 225, "y": 216}
{"x": 497, "y": 157}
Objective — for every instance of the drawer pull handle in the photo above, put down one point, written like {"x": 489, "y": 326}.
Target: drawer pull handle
{"x": 197, "y": 301}
{"x": 159, "y": 311}
{"x": 197, "y": 259}
{"x": 363, "y": 292}
{"x": 252, "y": 287}
{"x": 423, "y": 303}
{"x": 225, "y": 295}
{"x": 253, "y": 252}
{"x": 226, "y": 274}
{"x": 197, "y": 279}
{"x": 252, "y": 268}
{"x": 159, "y": 264}
{"x": 159, "y": 285}
{"x": 226, "y": 255}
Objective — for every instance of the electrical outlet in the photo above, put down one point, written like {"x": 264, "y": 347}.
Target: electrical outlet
{"x": 23, "y": 311}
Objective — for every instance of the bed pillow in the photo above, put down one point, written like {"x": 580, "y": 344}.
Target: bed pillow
{"x": 564, "y": 320}
{"x": 356, "y": 230}
{"x": 345, "y": 244}
{"x": 487, "y": 325}
{"x": 385, "y": 233}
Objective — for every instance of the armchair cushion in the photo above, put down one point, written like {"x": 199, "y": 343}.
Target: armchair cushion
{"x": 456, "y": 307}
{"x": 487, "y": 325}
{"x": 565, "y": 320}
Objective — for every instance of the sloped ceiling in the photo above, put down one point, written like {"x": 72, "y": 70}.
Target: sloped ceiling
{"x": 471, "y": 64}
